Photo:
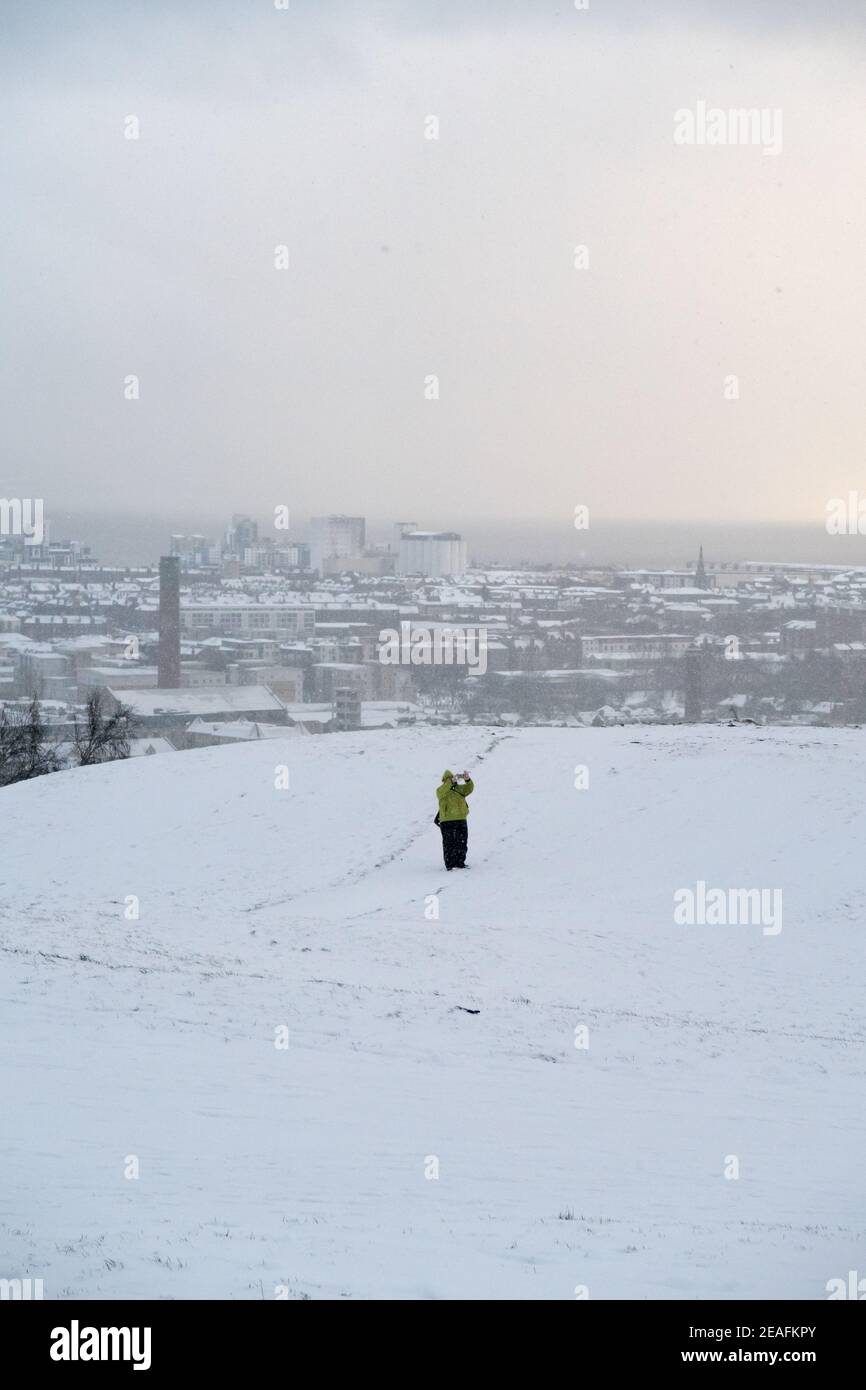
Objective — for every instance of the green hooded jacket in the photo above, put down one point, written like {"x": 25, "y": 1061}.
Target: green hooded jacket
{"x": 452, "y": 800}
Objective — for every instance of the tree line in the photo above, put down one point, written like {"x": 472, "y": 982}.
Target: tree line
{"x": 30, "y": 747}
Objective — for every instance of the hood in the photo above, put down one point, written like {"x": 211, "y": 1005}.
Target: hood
{"x": 447, "y": 775}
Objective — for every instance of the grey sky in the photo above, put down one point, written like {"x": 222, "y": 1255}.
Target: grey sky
{"x": 410, "y": 257}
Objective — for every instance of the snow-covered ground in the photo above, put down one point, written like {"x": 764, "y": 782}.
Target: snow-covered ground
{"x": 309, "y": 1166}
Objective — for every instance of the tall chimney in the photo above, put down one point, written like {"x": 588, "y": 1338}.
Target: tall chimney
{"x": 168, "y": 660}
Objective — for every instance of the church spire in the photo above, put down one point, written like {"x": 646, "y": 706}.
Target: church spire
{"x": 700, "y": 572}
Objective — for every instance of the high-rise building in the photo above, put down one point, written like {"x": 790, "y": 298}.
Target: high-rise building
{"x": 400, "y": 530}
{"x": 243, "y": 533}
{"x": 168, "y": 658}
{"x": 434, "y": 554}
{"x": 192, "y": 550}
{"x": 336, "y": 539}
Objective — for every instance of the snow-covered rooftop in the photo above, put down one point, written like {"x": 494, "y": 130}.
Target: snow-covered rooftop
{"x": 199, "y": 701}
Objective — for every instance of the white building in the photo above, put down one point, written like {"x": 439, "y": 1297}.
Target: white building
{"x": 45, "y": 672}
{"x": 435, "y": 554}
{"x": 246, "y": 619}
{"x": 339, "y": 538}
{"x": 635, "y": 646}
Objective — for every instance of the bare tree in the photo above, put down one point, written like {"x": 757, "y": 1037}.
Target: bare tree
{"x": 101, "y": 737}
{"x": 26, "y": 748}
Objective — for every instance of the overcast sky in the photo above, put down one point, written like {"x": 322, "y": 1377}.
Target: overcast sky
{"x": 412, "y": 257}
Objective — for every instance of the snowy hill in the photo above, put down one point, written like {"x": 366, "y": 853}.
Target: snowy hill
{"x": 307, "y": 1166}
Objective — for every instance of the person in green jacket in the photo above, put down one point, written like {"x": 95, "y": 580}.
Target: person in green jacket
{"x": 453, "y": 811}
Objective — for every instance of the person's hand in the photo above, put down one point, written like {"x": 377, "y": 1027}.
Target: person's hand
{"x": 465, "y": 776}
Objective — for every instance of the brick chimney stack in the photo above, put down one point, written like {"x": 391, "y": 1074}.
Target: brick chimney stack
{"x": 168, "y": 660}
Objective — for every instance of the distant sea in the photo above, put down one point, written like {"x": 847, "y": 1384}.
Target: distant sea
{"x": 125, "y": 539}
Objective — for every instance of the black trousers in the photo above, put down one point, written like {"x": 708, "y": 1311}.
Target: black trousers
{"x": 455, "y": 837}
